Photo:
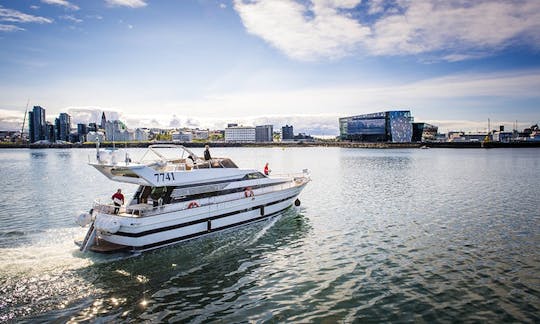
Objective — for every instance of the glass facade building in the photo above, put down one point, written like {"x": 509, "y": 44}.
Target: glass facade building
{"x": 424, "y": 132}
{"x": 37, "y": 125}
{"x": 287, "y": 133}
{"x": 63, "y": 127}
{"x": 264, "y": 133}
{"x": 387, "y": 126}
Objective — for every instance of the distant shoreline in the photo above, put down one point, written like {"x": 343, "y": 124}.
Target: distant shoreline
{"x": 287, "y": 144}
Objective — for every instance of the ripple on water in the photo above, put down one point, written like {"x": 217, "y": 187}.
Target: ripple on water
{"x": 382, "y": 235}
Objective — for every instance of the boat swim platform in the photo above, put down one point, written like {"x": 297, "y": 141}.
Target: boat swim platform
{"x": 102, "y": 246}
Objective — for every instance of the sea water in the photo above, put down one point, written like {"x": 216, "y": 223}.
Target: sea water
{"x": 381, "y": 235}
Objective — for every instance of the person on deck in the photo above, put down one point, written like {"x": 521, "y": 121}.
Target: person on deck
{"x": 266, "y": 169}
{"x": 118, "y": 200}
{"x": 207, "y": 153}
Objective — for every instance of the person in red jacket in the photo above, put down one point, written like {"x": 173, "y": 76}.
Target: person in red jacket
{"x": 266, "y": 169}
{"x": 118, "y": 200}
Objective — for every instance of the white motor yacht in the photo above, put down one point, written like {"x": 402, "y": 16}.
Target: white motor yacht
{"x": 180, "y": 197}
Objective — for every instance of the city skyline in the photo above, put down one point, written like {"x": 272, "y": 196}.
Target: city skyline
{"x": 208, "y": 63}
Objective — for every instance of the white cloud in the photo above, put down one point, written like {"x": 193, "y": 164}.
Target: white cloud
{"x": 98, "y": 17}
{"x": 16, "y": 16}
{"x": 453, "y": 30}
{"x": 71, "y": 18}
{"x": 126, "y": 3}
{"x": 455, "y": 26}
{"x": 9, "y": 28}
{"x": 63, "y": 3}
{"x": 11, "y": 119}
{"x": 301, "y": 32}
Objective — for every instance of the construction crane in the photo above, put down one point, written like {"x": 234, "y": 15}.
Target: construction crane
{"x": 24, "y": 119}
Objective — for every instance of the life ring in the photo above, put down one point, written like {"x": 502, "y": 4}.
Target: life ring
{"x": 193, "y": 204}
{"x": 248, "y": 192}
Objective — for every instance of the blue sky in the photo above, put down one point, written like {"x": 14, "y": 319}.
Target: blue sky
{"x": 205, "y": 63}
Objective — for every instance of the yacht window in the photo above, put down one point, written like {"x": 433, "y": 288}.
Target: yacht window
{"x": 227, "y": 163}
{"x": 123, "y": 173}
{"x": 255, "y": 175}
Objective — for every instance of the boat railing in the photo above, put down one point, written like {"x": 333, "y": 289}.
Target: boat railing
{"x": 147, "y": 209}
{"x": 294, "y": 176}
{"x": 105, "y": 208}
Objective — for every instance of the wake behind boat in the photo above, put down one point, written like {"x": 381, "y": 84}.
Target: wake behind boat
{"x": 180, "y": 197}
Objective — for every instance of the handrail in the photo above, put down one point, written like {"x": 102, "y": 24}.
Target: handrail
{"x": 143, "y": 211}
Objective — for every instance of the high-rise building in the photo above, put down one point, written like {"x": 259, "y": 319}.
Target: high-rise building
{"x": 287, "y": 133}
{"x": 82, "y": 130}
{"x": 387, "y": 126}
{"x": 50, "y": 132}
{"x": 36, "y": 124}
{"x": 264, "y": 133}
{"x": 63, "y": 127}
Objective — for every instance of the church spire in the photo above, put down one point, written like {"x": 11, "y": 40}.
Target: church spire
{"x": 103, "y": 120}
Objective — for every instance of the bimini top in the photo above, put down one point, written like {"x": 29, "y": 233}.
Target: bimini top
{"x": 164, "y": 165}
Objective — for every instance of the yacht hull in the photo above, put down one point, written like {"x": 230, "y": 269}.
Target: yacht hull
{"x": 173, "y": 226}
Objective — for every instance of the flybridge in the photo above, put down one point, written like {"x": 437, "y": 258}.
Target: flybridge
{"x": 163, "y": 170}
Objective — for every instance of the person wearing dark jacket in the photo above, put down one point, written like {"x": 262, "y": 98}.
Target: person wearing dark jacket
{"x": 207, "y": 153}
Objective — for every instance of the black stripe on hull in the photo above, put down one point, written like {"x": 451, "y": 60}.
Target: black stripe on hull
{"x": 198, "y": 221}
{"x": 194, "y": 235}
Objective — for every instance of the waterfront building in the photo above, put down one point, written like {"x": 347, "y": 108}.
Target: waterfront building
{"x": 424, "y": 132}
{"x": 63, "y": 127}
{"x": 95, "y": 136}
{"x": 216, "y": 135}
{"x": 142, "y": 134}
{"x": 502, "y": 136}
{"x": 264, "y": 133}
{"x": 201, "y": 134}
{"x": 240, "y": 134}
{"x": 303, "y": 137}
{"x": 9, "y": 136}
{"x": 82, "y": 130}
{"x": 50, "y": 132}
{"x": 468, "y": 137}
{"x": 37, "y": 125}
{"x": 388, "y": 126}
{"x": 182, "y": 137}
{"x": 287, "y": 133}
{"x": 116, "y": 131}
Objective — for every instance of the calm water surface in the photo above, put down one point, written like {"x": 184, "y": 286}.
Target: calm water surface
{"x": 381, "y": 235}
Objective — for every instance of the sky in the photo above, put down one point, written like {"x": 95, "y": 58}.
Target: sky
{"x": 206, "y": 63}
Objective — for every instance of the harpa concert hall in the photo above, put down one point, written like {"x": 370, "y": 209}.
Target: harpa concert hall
{"x": 389, "y": 126}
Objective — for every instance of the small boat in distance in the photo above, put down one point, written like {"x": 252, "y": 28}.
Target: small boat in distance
{"x": 180, "y": 196}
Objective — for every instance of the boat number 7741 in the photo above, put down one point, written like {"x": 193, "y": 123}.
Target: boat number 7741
{"x": 164, "y": 176}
